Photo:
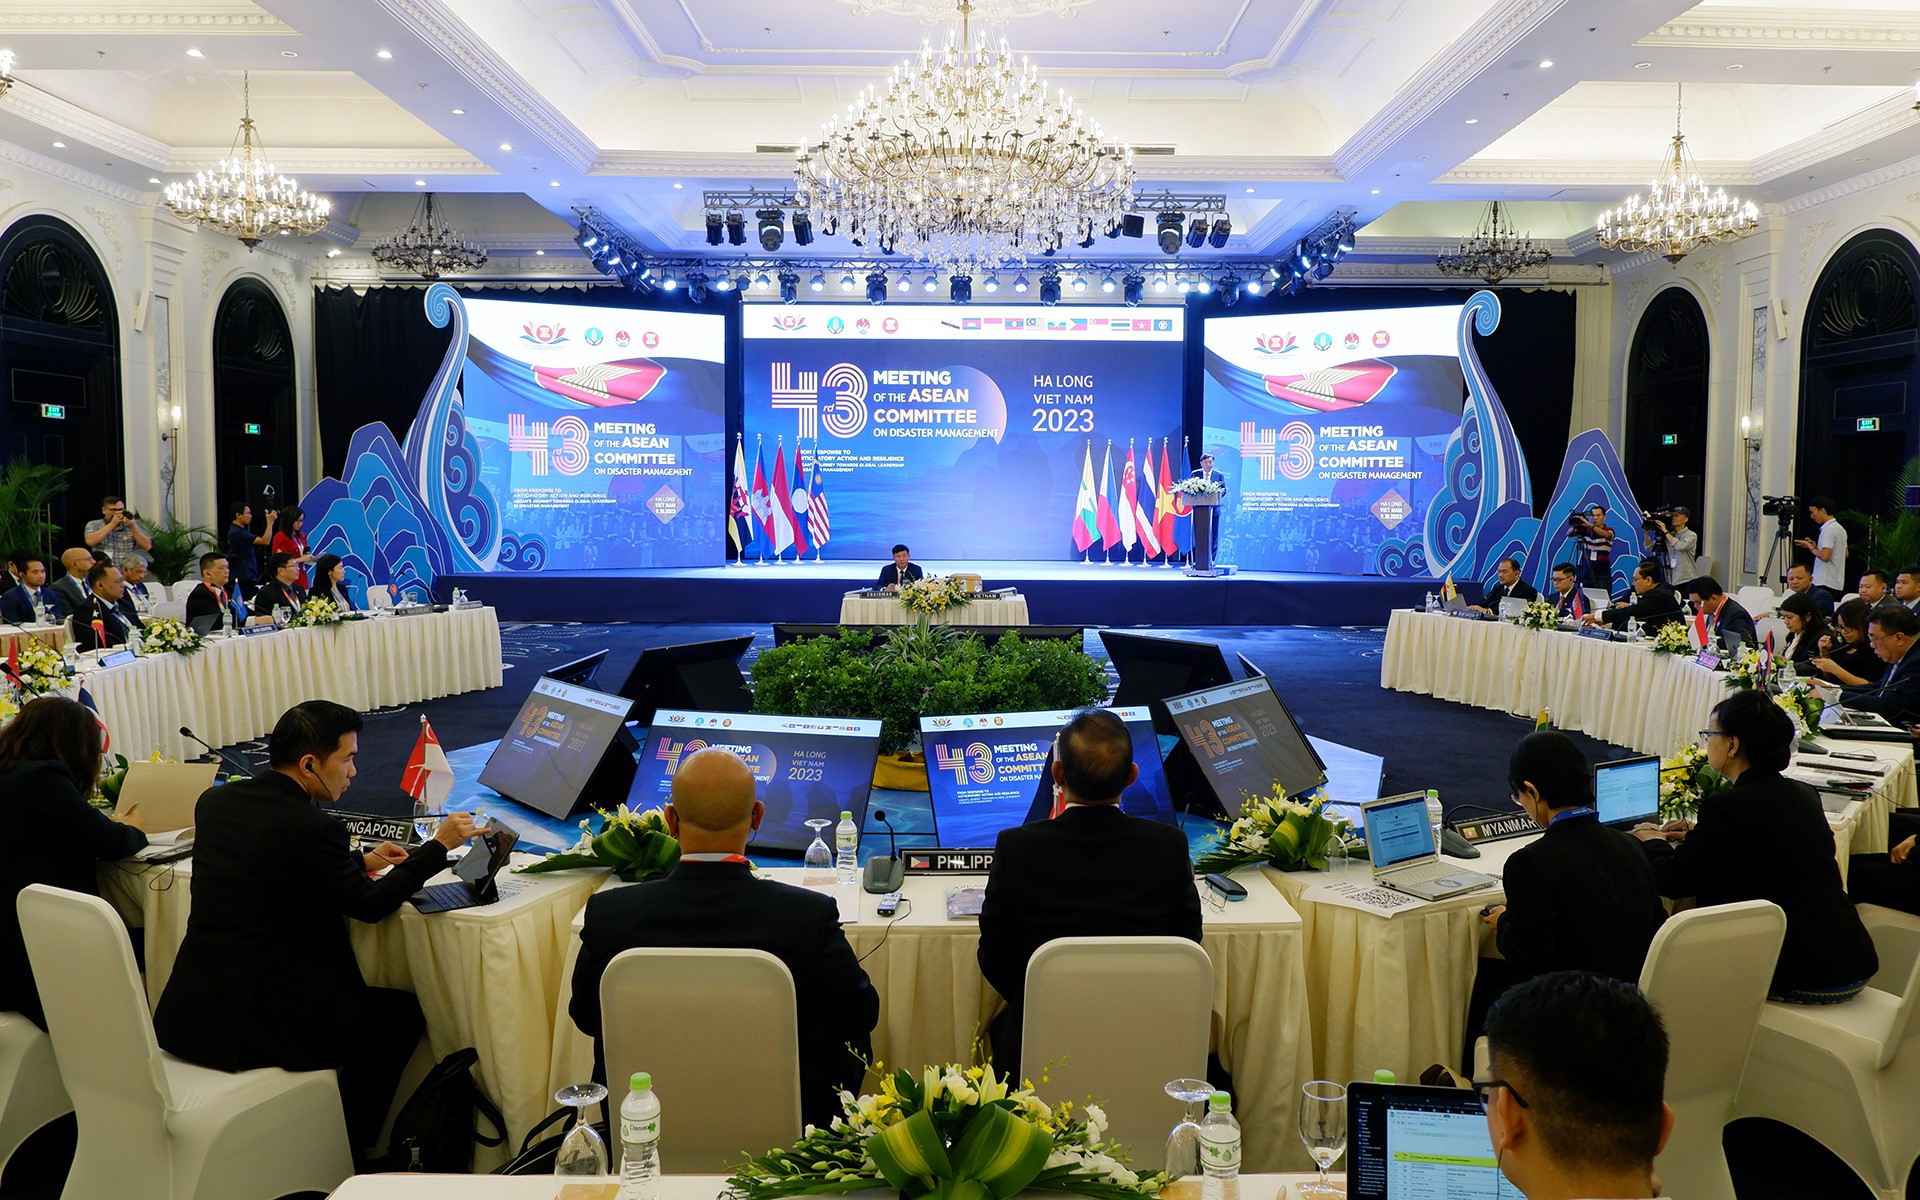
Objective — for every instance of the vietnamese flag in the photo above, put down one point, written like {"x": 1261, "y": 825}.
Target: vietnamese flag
{"x": 1085, "y": 520}
{"x": 1108, "y": 526}
{"x": 782, "y": 504}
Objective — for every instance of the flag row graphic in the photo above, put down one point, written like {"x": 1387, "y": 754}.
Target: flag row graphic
{"x": 1142, "y": 511}
{"x": 769, "y": 514}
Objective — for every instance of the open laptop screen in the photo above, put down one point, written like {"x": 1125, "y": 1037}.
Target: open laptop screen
{"x": 1245, "y": 740}
{"x": 1627, "y": 791}
{"x": 1406, "y": 1141}
{"x": 1397, "y": 830}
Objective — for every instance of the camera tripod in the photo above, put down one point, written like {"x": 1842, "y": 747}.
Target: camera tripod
{"x": 1782, "y": 548}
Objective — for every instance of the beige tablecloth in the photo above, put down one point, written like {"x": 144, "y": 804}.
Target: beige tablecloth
{"x": 51, "y": 635}
{"x": 856, "y": 610}
{"x": 235, "y": 688}
{"x": 934, "y": 1001}
{"x": 678, "y": 1187}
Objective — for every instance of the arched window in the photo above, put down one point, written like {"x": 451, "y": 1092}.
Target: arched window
{"x": 255, "y": 432}
{"x": 1666, "y": 435}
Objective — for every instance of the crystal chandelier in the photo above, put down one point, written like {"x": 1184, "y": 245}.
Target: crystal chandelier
{"x": 429, "y": 250}
{"x": 964, "y": 162}
{"x": 243, "y": 197}
{"x": 1494, "y": 252}
{"x": 1679, "y": 214}
{"x": 6, "y": 71}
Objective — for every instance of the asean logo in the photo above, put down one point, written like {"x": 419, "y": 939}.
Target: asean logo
{"x": 1353, "y": 341}
{"x": 1323, "y": 341}
{"x": 594, "y": 336}
{"x": 546, "y": 335}
{"x": 836, "y": 325}
{"x": 1380, "y": 339}
{"x": 1279, "y": 343}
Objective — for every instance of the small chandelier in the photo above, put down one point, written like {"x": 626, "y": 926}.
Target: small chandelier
{"x": 6, "y": 71}
{"x": 1679, "y": 214}
{"x": 429, "y": 250}
{"x": 963, "y": 161}
{"x": 243, "y": 197}
{"x": 1494, "y": 252}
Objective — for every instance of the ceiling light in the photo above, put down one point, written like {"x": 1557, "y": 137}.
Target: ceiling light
{"x": 769, "y": 227}
{"x": 427, "y": 249}
{"x": 1374, "y": 192}
{"x": 846, "y": 282}
{"x": 1545, "y": 63}
{"x": 243, "y": 197}
{"x": 1167, "y": 225}
{"x": 153, "y": 180}
{"x": 59, "y": 145}
{"x": 539, "y": 253}
{"x": 1020, "y": 283}
{"x": 697, "y": 286}
{"x": 931, "y": 285}
{"x": 789, "y": 287}
{"x": 678, "y": 186}
{"x": 1641, "y": 66}
{"x": 506, "y": 146}
{"x": 1679, "y": 213}
{"x": 1249, "y": 191}
{"x": 1079, "y": 283}
{"x": 383, "y": 54}
{"x": 553, "y": 183}
{"x": 1197, "y": 233}
{"x": 802, "y": 228}
{"x": 762, "y": 283}
{"x": 960, "y": 289}
{"x": 992, "y": 284}
{"x": 818, "y": 282}
{"x": 1050, "y": 288}
{"x": 723, "y": 284}
{"x": 714, "y": 233}
{"x": 906, "y": 283}
{"x": 419, "y": 183}
{"x": 1222, "y": 230}
{"x": 1160, "y": 283}
{"x": 1134, "y": 289}
{"x": 194, "y": 52}
{"x": 459, "y": 112}
{"x": 1736, "y": 66}
{"x": 289, "y": 54}
{"x": 1494, "y": 251}
{"x": 1473, "y": 120}
{"x": 1252, "y": 286}
{"x": 1202, "y": 285}
{"x": 668, "y": 282}
{"x": 334, "y": 253}
{"x": 1107, "y": 285}
{"x": 877, "y": 288}
{"x": 737, "y": 228}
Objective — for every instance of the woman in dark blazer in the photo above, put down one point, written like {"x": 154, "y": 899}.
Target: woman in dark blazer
{"x": 1805, "y": 628}
{"x": 330, "y": 582}
{"x": 1767, "y": 838}
{"x": 49, "y": 758}
{"x": 282, "y": 589}
{"x": 1845, "y": 654}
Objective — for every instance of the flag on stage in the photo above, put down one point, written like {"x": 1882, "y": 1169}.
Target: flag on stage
{"x": 1086, "y": 522}
{"x": 1166, "y": 507}
{"x": 782, "y": 504}
{"x": 1447, "y": 590}
{"x": 801, "y": 503}
{"x": 740, "y": 504}
{"x": 761, "y": 500}
{"x": 1109, "y": 526}
{"x": 817, "y": 527}
{"x": 1129, "y": 502}
{"x": 1143, "y": 513}
{"x": 428, "y": 776}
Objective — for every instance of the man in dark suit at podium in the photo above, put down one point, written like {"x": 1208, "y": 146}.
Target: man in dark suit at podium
{"x": 1092, "y": 871}
{"x": 901, "y": 570}
{"x": 1205, "y": 471}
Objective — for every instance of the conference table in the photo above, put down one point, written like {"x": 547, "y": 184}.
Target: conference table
{"x": 234, "y": 689}
{"x": 684, "y": 1187}
{"x": 15, "y": 635}
{"x": 856, "y": 609}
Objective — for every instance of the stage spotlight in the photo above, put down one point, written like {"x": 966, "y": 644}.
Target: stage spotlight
{"x": 1197, "y": 233}
{"x": 877, "y": 288}
{"x": 1133, "y": 290}
{"x": 906, "y": 283}
{"x": 993, "y": 284}
{"x": 818, "y": 283}
{"x": 668, "y": 282}
{"x": 1202, "y": 284}
{"x": 1344, "y": 239}
{"x": 846, "y": 282}
{"x": 960, "y": 289}
{"x": 772, "y": 232}
{"x": 789, "y": 288}
{"x": 762, "y": 283}
{"x": 1079, "y": 283}
{"x": 1133, "y": 224}
{"x": 697, "y": 287}
{"x": 1304, "y": 253}
{"x": 932, "y": 284}
{"x": 1229, "y": 289}
{"x": 1107, "y": 285}
{"x": 1160, "y": 283}
{"x": 586, "y": 239}
{"x": 1252, "y": 286}
{"x": 1324, "y": 269}
{"x": 1222, "y": 230}
{"x": 1020, "y": 284}
{"x": 736, "y": 228}
{"x": 1169, "y": 231}
{"x": 743, "y": 282}
{"x": 723, "y": 284}
{"x": 802, "y": 229}
{"x": 713, "y": 229}
{"x": 1050, "y": 288}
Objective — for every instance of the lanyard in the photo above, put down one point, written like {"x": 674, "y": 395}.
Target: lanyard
{"x": 1585, "y": 810}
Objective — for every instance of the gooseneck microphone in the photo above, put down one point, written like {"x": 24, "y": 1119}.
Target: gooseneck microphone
{"x": 885, "y": 874}
{"x": 238, "y": 765}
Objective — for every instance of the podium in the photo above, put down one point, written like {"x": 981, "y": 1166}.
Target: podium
{"x": 1200, "y": 557}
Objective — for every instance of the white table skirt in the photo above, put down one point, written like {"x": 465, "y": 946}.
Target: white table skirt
{"x": 682, "y": 1187}
{"x": 235, "y": 689}
{"x": 856, "y": 610}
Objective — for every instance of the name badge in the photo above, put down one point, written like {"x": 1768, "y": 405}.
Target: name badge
{"x": 1708, "y": 659}
{"x": 1602, "y": 633}
{"x": 368, "y": 830}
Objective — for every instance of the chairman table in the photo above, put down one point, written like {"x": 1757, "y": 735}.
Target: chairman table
{"x": 934, "y": 1003}
{"x": 234, "y": 689}
{"x": 677, "y": 1187}
{"x": 856, "y": 609}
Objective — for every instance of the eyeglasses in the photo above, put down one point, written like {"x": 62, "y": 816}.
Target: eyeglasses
{"x": 1484, "y": 1088}
{"x": 1713, "y": 733}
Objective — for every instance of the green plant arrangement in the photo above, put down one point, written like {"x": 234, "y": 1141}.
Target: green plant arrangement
{"x": 934, "y": 594}
{"x": 635, "y": 844}
{"x": 1539, "y": 614}
{"x": 1893, "y": 539}
{"x": 41, "y": 669}
{"x": 25, "y": 490}
{"x": 176, "y": 551}
{"x": 921, "y": 670}
{"x": 1672, "y": 639}
{"x": 1290, "y": 834}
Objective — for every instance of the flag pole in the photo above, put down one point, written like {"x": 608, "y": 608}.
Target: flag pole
{"x": 818, "y": 553}
{"x": 1126, "y": 551}
{"x": 759, "y": 461}
{"x": 779, "y": 450}
{"x": 1086, "y": 556}
{"x": 740, "y": 456}
{"x": 1186, "y": 460}
{"x": 1166, "y": 550}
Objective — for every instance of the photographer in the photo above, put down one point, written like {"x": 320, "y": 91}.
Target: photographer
{"x": 1676, "y": 546}
{"x": 1829, "y": 550}
{"x": 1596, "y": 547}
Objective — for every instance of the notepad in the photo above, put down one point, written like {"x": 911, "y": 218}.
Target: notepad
{"x": 964, "y": 903}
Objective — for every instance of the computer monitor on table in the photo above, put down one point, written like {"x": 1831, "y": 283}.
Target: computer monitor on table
{"x": 580, "y": 671}
{"x": 1242, "y": 738}
{"x": 568, "y": 748}
{"x": 1154, "y": 668}
{"x": 697, "y": 676}
{"x": 1626, "y": 791}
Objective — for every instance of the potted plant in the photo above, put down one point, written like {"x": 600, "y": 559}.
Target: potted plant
{"x": 25, "y": 490}
{"x": 176, "y": 549}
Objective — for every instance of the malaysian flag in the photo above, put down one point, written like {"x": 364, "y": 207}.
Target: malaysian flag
{"x": 817, "y": 525}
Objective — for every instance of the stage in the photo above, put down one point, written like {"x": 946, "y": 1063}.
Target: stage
{"x": 1062, "y": 593}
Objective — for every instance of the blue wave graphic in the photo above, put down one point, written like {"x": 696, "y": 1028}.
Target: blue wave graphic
{"x": 1590, "y": 474}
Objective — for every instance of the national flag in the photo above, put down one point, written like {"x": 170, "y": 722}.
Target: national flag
{"x": 1543, "y": 721}
{"x": 1167, "y": 506}
{"x": 1086, "y": 521}
{"x": 761, "y": 500}
{"x": 782, "y": 516}
{"x": 428, "y": 776}
{"x": 1129, "y": 502}
{"x": 1764, "y": 672}
{"x": 86, "y": 701}
{"x": 1109, "y": 526}
{"x": 1143, "y": 515}
{"x": 801, "y": 502}
{"x": 740, "y": 504}
{"x": 1447, "y": 590}
{"x": 817, "y": 526}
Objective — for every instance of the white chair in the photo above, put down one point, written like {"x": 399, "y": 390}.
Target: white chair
{"x": 1707, "y": 973}
{"x": 1849, "y": 596}
{"x": 151, "y": 1125}
{"x": 30, "y": 1090}
{"x": 1774, "y": 626}
{"x": 177, "y": 609}
{"x": 379, "y": 595}
{"x": 1848, "y": 1075}
{"x": 1112, "y": 1019}
{"x": 1702, "y": 566}
{"x": 1757, "y": 600}
{"x": 654, "y": 1002}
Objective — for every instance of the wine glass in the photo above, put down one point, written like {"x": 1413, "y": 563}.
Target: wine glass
{"x": 1183, "y": 1144}
{"x": 583, "y": 1151}
{"x": 818, "y": 858}
{"x": 1323, "y": 1127}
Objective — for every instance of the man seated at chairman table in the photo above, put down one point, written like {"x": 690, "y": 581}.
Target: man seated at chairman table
{"x": 213, "y": 598}
{"x": 901, "y": 571}
{"x": 1508, "y": 584}
{"x": 1719, "y": 612}
{"x": 1653, "y": 605}
{"x": 1567, "y": 598}
{"x": 1892, "y": 633}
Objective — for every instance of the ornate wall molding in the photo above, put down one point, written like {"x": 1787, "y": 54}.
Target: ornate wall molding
{"x": 93, "y": 16}
{"x": 1854, "y": 132}
{"x": 1785, "y": 29}
{"x": 109, "y": 223}
{"x": 54, "y": 169}
{"x": 1810, "y": 236}
{"x": 210, "y": 261}
{"x": 70, "y": 120}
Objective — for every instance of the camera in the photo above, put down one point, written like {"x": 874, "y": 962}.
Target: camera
{"x": 1651, "y": 519}
{"x": 1780, "y": 506}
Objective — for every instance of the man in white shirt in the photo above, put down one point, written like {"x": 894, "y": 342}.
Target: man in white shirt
{"x": 1829, "y": 550}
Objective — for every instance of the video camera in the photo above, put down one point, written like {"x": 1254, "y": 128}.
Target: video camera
{"x": 1651, "y": 519}
{"x": 1781, "y": 506}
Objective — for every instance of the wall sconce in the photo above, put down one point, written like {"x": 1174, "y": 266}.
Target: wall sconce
{"x": 1750, "y": 430}
{"x": 169, "y": 422}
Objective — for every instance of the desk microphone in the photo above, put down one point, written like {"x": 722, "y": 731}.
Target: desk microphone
{"x": 235, "y": 764}
{"x": 885, "y": 874}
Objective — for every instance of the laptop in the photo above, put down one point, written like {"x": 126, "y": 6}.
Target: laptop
{"x": 1731, "y": 642}
{"x": 1404, "y": 1140}
{"x": 165, "y": 792}
{"x": 204, "y": 625}
{"x": 474, "y": 883}
{"x": 1400, "y": 841}
{"x": 1626, "y": 791}
{"x": 1511, "y": 607}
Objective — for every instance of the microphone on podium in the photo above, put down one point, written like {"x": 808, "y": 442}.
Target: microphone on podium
{"x": 232, "y": 762}
{"x": 885, "y": 874}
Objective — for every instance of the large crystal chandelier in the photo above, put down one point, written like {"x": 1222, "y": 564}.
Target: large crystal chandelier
{"x": 965, "y": 162}
{"x": 429, "y": 250}
{"x": 243, "y": 197}
{"x": 1494, "y": 252}
{"x": 1679, "y": 214}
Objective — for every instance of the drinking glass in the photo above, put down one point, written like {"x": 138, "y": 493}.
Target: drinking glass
{"x": 424, "y": 822}
{"x": 1183, "y": 1144}
{"x": 1323, "y": 1127}
{"x": 819, "y": 858}
{"x": 583, "y": 1151}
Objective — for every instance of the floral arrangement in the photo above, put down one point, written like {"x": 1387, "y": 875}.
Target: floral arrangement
{"x": 1744, "y": 671}
{"x": 1800, "y": 703}
{"x": 40, "y": 667}
{"x": 933, "y": 595}
{"x": 1539, "y": 614}
{"x": 953, "y": 1133}
{"x": 1672, "y": 639}
{"x": 1194, "y": 485}
{"x": 1276, "y": 829}
{"x": 318, "y": 610}
{"x": 8, "y": 709}
{"x": 168, "y": 635}
{"x": 635, "y": 844}
{"x": 1686, "y": 780}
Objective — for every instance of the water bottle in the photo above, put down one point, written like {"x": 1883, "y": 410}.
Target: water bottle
{"x": 1787, "y": 673}
{"x": 1220, "y": 1150}
{"x": 47, "y": 616}
{"x": 1435, "y": 813}
{"x": 846, "y": 839}
{"x": 1430, "y": 604}
{"x": 640, "y": 1140}
{"x": 1633, "y": 629}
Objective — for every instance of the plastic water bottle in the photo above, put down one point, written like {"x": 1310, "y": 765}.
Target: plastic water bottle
{"x": 846, "y": 839}
{"x": 640, "y": 1140}
{"x": 47, "y": 616}
{"x": 1430, "y": 604}
{"x": 1220, "y": 1150}
{"x": 1435, "y": 813}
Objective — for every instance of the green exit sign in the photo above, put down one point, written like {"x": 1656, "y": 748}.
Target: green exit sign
{"x": 1867, "y": 425}
{"x": 54, "y": 412}
{"x": 1669, "y": 439}
{"x": 252, "y": 428}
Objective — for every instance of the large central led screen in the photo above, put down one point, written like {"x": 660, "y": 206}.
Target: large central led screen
{"x": 965, "y": 432}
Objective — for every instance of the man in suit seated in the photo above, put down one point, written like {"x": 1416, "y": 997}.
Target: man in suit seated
{"x": 1568, "y": 599}
{"x": 1891, "y": 632}
{"x": 1507, "y": 583}
{"x": 1653, "y": 604}
{"x": 282, "y": 588}
{"x": 901, "y": 570}
{"x": 102, "y": 626}
{"x": 1720, "y": 613}
{"x": 1092, "y": 871}
{"x": 712, "y": 899}
{"x": 1892, "y": 878}
{"x": 1906, "y": 588}
{"x": 1577, "y": 1070}
{"x": 23, "y": 605}
{"x": 1876, "y": 587}
{"x": 71, "y": 587}
{"x": 140, "y": 595}
{"x": 212, "y": 598}
{"x": 1800, "y": 582}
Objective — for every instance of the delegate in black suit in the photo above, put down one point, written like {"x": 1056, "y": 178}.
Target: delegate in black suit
{"x": 1092, "y": 871}
{"x": 722, "y": 904}
{"x": 1732, "y": 617}
{"x": 1767, "y": 838}
{"x": 21, "y": 605}
{"x": 208, "y": 601}
{"x": 74, "y": 594}
{"x": 115, "y": 623}
{"x": 891, "y": 575}
{"x": 1896, "y": 697}
{"x": 274, "y": 594}
{"x": 1653, "y": 608}
{"x": 60, "y": 838}
{"x": 1521, "y": 590}
{"x": 1582, "y": 898}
